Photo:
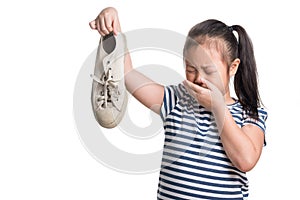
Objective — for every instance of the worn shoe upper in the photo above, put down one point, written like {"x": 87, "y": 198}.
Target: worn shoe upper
{"x": 109, "y": 96}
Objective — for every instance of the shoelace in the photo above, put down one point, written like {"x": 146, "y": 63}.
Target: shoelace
{"x": 110, "y": 92}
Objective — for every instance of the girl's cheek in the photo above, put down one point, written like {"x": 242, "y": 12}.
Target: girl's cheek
{"x": 215, "y": 80}
{"x": 219, "y": 84}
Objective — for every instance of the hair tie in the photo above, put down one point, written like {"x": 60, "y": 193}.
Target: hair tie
{"x": 234, "y": 32}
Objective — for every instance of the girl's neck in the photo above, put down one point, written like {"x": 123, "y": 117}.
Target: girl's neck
{"x": 228, "y": 99}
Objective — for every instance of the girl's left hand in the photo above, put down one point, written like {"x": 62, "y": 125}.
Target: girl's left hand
{"x": 207, "y": 95}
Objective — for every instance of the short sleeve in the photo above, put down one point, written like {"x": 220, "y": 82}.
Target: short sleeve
{"x": 260, "y": 122}
{"x": 169, "y": 100}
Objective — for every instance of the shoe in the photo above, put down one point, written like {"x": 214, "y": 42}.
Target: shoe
{"x": 109, "y": 96}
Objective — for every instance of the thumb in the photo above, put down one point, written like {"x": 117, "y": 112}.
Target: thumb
{"x": 93, "y": 25}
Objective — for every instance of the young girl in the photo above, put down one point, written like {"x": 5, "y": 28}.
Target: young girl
{"x": 211, "y": 139}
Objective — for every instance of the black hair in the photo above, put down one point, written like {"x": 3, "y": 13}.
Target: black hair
{"x": 217, "y": 33}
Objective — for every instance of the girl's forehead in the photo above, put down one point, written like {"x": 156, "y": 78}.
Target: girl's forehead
{"x": 201, "y": 55}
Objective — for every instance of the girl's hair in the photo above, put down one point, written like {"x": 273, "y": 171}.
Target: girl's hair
{"x": 214, "y": 33}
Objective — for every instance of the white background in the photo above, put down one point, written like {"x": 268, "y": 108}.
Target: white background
{"x": 42, "y": 47}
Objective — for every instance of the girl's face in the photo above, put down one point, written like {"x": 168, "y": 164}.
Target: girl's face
{"x": 206, "y": 63}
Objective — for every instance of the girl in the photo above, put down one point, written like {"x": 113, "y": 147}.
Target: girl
{"x": 211, "y": 139}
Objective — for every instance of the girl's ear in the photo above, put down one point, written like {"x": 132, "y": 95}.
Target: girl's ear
{"x": 234, "y": 67}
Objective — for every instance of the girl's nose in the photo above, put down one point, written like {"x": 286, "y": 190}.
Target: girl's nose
{"x": 198, "y": 78}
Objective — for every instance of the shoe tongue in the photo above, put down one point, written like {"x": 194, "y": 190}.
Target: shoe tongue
{"x": 109, "y": 43}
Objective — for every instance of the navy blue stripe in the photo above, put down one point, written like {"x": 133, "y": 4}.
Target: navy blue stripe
{"x": 202, "y": 116}
{"x": 182, "y": 121}
{"x": 182, "y": 157}
{"x": 182, "y": 91}
{"x": 169, "y": 100}
{"x": 226, "y": 167}
{"x": 186, "y": 106}
{"x": 195, "y": 125}
{"x": 206, "y": 121}
{"x": 236, "y": 109}
{"x": 197, "y": 152}
{"x": 199, "y": 175}
{"x": 193, "y": 137}
{"x": 169, "y": 196}
{"x": 236, "y": 116}
{"x": 200, "y": 189}
{"x": 174, "y": 141}
{"x": 174, "y": 128}
{"x": 176, "y": 114}
{"x": 199, "y": 182}
{"x": 204, "y": 169}
{"x": 196, "y": 195}
{"x": 263, "y": 112}
{"x": 165, "y": 103}
{"x": 199, "y": 131}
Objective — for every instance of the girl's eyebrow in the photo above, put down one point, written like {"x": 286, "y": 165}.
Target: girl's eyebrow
{"x": 187, "y": 62}
{"x": 202, "y": 66}
{"x": 190, "y": 64}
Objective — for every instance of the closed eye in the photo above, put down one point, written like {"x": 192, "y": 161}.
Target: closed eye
{"x": 209, "y": 69}
{"x": 190, "y": 69}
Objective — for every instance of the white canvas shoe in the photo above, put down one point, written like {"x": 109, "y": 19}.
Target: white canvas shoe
{"x": 109, "y": 96}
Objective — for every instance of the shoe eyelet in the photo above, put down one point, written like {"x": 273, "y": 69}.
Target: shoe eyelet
{"x": 108, "y": 62}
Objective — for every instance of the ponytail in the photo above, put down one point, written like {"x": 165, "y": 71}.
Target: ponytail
{"x": 245, "y": 79}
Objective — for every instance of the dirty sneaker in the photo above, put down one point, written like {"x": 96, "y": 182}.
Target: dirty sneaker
{"x": 109, "y": 96}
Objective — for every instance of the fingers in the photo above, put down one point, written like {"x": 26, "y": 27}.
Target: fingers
{"x": 106, "y": 22}
{"x": 194, "y": 87}
{"x": 103, "y": 28}
{"x": 108, "y": 25}
{"x": 100, "y": 25}
{"x": 209, "y": 85}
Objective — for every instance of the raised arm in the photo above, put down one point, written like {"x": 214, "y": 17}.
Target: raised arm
{"x": 148, "y": 92}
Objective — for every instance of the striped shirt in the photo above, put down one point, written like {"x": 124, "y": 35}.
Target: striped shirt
{"x": 194, "y": 163}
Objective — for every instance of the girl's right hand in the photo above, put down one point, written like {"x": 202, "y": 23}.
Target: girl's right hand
{"x": 107, "y": 21}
